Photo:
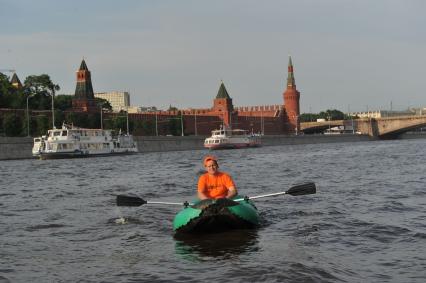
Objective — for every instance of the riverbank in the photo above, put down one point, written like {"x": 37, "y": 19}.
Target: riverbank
{"x": 20, "y": 148}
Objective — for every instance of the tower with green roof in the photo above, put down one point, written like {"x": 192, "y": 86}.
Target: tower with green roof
{"x": 222, "y": 105}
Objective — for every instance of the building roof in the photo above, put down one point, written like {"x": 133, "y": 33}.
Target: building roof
{"x": 83, "y": 66}
{"x": 222, "y": 93}
{"x": 15, "y": 81}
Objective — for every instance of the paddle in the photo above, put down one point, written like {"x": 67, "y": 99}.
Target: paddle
{"x": 298, "y": 190}
{"x": 123, "y": 200}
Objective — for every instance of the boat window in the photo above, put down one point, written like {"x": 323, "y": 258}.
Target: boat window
{"x": 64, "y": 133}
{"x": 56, "y": 133}
{"x": 37, "y": 140}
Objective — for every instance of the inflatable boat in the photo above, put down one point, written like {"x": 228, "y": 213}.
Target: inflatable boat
{"x": 209, "y": 216}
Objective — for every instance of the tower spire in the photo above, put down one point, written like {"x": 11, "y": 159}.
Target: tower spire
{"x": 291, "y": 83}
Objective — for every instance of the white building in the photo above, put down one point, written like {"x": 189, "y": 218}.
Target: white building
{"x": 383, "y": 113}
{"x": 119, "y": 100}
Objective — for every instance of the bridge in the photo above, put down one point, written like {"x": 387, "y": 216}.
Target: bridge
{"x": 384, "y": 128}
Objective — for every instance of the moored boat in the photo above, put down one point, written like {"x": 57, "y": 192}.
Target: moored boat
{"x": 231, "y": 138}
{"x": 73, "y": 142}
{"x": 207, "y": 216}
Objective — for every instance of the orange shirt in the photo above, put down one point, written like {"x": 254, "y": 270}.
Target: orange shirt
{"x": 215, "y": 186}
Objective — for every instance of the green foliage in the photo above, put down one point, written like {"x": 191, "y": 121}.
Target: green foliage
{"x": 41, "y": 126}
{"x": 308, "y": 117}
{"x": 327, "y": 115}
{"x": 144, "y": 128}
{"x": 63, "y": 102}
{"x": 78, "y": 119}
{"x": 42, "y": 89}
{"x": 148, "y": 128}
{"x": 12, "y": 125}
{"x": 103, "y": 103}
{"x": 174, "y": 126}
{"x": 172, "y": 108}
{"x": 332, "y": 115}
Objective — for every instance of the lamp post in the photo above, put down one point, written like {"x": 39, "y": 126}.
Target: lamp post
{"x": 329, "y": 123}
{"x": 53, "y": 108}
{"x": 297, "y": 124}
{"x": 102, "y": 125}
{"x": 156, "y": 123}
{"x": 127, "y": 119}
{"x": 195, "y": 121}
{"x": 181, "y": 123}
{"x": 28, "y": 116}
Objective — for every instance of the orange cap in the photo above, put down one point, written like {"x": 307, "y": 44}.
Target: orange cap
{"x": 208, "y": 158}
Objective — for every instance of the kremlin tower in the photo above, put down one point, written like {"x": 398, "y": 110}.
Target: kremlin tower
{"x": 84, "y": 98}
{"x": 222, "y": 105}
{"x": 291, "y": 100}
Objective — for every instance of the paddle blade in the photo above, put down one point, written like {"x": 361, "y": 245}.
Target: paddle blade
{"x": 123, "y": 200}
{"x": 302, "y": 189}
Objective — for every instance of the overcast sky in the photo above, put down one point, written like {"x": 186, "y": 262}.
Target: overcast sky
{"x": 347, "y": 55}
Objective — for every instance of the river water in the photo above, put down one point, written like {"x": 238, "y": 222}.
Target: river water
{"x": 59, "y": 221}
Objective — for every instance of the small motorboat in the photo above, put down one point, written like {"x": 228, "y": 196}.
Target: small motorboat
{"x": 209, "y": 216}
{"x": 226, "y": 138}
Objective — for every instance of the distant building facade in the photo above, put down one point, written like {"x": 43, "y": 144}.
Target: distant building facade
{"x": 387, "y": 113}
{"x": 119, "y": 100}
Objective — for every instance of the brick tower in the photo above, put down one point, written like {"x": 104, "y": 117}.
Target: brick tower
{"x": 291, "y": 100}
{"x": 84, "y": 98}
{"x": 222, "y": 105}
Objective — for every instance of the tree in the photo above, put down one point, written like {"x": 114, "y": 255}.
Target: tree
{"x": 63, "y": 102}
{"x": 332, "y": 115}
{"x": 42, "y": 125}
{"x": 12, "y": 125}
{"x": 6, "y": 92}
{"x": 172, "y": 108}
{"x": 42, "y": 88}
{"x": 308, "y": 117}
{"x": 103, "y": 103}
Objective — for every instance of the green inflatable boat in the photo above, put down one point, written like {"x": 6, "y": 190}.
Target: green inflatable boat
{"x": 209, "y": 216}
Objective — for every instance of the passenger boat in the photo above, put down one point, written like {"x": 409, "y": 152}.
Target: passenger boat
{"x": 231, "y": 138}
{"x": 211, "y": 215}
{"x": 71, "y": 142}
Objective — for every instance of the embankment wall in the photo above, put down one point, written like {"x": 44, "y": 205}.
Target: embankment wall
{"x": 20, "y": 148}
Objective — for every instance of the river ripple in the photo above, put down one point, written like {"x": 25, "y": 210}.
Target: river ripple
{"x": 365, "y": 224}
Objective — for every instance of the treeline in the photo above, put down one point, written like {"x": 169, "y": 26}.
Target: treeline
{"x": 35, "y": 98}
{"x": 327, "y": 115}
{"x": 14, "y": 123}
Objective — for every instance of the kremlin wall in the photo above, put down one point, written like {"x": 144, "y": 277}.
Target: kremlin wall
{"x": 268, "y": 120}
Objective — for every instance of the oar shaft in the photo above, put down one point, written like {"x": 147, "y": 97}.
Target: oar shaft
{"x": 164, "y": 202}
{"x": 261, "y": 196}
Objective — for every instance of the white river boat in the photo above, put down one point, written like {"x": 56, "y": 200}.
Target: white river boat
{"x": 73, "y": 142}
{"x": 225, "y": 138}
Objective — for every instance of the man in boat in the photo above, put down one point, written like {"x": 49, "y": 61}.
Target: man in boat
{"x": 215, "y": 184}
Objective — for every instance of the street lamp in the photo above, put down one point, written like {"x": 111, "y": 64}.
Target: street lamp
{"x": 127, "y": 119}
{"x": 102, "y": 124}
{"x": 52, "y": 94}
{"x": 181, "y": 122}
{"x": 297, "y": 124}
{"x": 28, "y": 116}
{"x": 195, "y": 121}
{"x": 329, "y": 123}
{"x": 156, "y": 122}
